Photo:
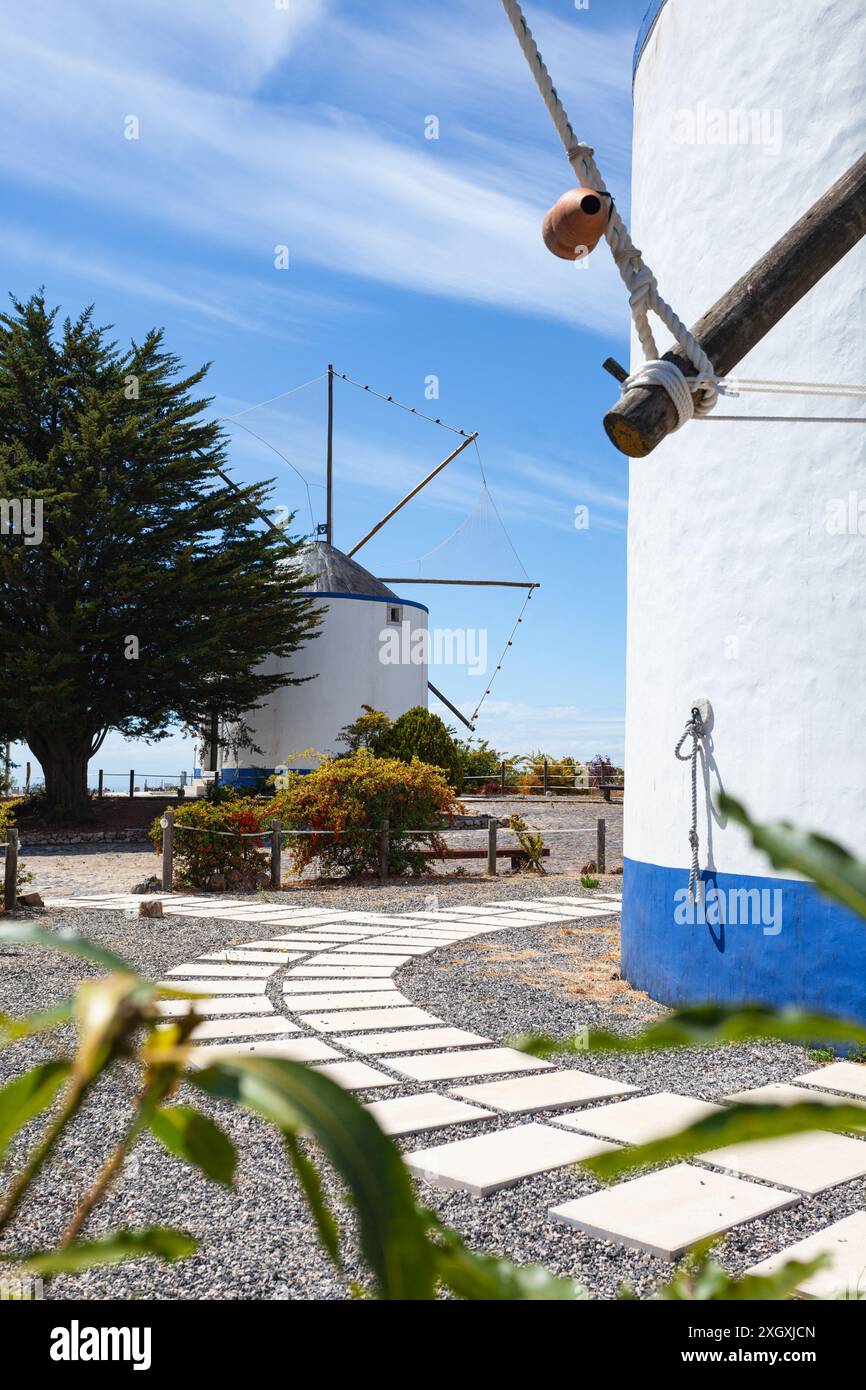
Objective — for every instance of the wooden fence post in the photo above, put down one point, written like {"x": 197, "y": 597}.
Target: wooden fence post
{"x": 384, "y": 837}
{"x": 502, "y": 777}
{"x": 10, "y": 871}
{"x": 546, "y": 778}
{"x": 167, "y": 851}
{"x": 600, "y": 846}
{"x": 492, "y": 828}
{"x": 101, "y": 782}
{"x": 27, "y": 781}
{"x": 131, "y": 783}
{"x": 276, "y": 854}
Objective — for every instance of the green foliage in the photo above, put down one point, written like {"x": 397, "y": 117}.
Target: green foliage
{"x": 224, "y": 846}
{"x": 587, "y": 882}
{"x": 370, "y": 730}
{"x": 27, "y": 1096}
{"x": 420, "y": 734}
{"x": 140, "y": 538}
{"x": 345, "y": 801}
{"x": 197, "y": 1140}
{"x": 701, "y": 1279}
{"x": 294, "y": 1097}
{"x": 479, "y": 762}
{"x": 112, "y": 1249}
{"x": 532, "y": 845}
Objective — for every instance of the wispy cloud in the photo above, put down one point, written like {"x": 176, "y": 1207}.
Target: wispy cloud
{"x": 358, "y": 197}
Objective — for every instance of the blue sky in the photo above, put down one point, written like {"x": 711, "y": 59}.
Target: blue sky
{"x": 261, "y": 126}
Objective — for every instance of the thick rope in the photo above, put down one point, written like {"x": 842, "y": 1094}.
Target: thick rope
{"x": 694, "y": 730}
{"x": 639, "y": 279}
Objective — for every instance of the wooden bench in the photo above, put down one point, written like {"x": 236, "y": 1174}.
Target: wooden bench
{"x": 518, "y": 856}
{"x": 607, "y": 787}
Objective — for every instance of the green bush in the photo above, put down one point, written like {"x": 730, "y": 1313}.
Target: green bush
{"x": 348, "y": 799}
{"x": 420, "y": 734}
{"x": 479, "y": 763}
{"x": 206, "y": 858}
{"x": 531, "y": 844}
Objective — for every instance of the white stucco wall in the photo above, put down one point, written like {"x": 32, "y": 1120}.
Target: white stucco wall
{"x": 737, "y": 591}
{"x": 348, "y": 673}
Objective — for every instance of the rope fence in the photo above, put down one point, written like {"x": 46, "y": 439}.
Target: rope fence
{"x": 276, "y": 833}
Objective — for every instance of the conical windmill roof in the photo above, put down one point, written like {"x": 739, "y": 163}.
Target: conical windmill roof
{"x": 334, "y": 573}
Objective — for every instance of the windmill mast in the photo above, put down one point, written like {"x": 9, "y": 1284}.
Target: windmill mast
{"x": 329, "y": 523}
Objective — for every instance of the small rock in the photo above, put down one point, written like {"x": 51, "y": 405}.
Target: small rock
{"x": 216, "y": 883}
{"x": 151, "y": 909}
{"x": 590, "y": 868}
{"x": 148, "y": 885}
{"x": 30, "y": 900}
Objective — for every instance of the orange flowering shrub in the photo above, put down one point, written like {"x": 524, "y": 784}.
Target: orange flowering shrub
{"x": 352, "y": 797}
{"x": 219, "y": 861}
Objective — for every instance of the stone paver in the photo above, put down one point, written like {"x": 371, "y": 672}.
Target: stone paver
{"x": 845, "y": 1275}
{"x": 385, "y": 950}
{"x": 809, "y": 1162}
{"x": 359, "y": 959}
{"x": 254, "y": 957}
{"x": 293, "y": 985}
{"x": 378, "y": 999}
{"x": 207, "y": 984}
{"x": 415, "y": 1114}
{"x": 245, "y": 1004}
{"x": 839, "y": 1076}
{"x": 488, "y": 1162}
{"x": 294, "y": 1049}
{"x": 222, "y": 972}
{"x": 277, "y": 945}
{"x": 244, "y": 1028}
{"x": 341, "y": 972}
{"x": 355, "y": 1076}
{"x": 447, "y": 1065}
{"x": 521, "y": 1094}
{"x": 403, "y": 1040}
{"x": 364, "y": 1019}
{"x": 667, "y": 1211}
{"x": 780, "y": 1093}
{"x": 642, "y": 1119}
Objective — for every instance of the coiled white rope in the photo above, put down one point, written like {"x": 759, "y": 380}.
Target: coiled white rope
{"x": 702, "y": 390}
{"x": 694, "y": 730}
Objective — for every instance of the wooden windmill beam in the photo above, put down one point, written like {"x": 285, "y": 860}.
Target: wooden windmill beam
{"x": 472, "y": 583}
{"x": 645, "y": 415}
{"x": 414, "y": 493}
{"x": 453, "y": 708}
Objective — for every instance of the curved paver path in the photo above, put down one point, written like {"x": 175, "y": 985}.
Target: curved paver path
{"x": 340, "y": 1012}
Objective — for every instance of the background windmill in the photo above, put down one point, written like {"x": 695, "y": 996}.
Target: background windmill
{"x": 359, "y": 608}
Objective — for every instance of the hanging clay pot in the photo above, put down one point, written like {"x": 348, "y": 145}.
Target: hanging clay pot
{"x": 576, "y": 223}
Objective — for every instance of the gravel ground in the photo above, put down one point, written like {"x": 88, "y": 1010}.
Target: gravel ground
{"x": 257, "y": 1242}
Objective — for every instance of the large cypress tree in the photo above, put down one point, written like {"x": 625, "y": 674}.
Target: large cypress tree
{"x": 155, "y": 592}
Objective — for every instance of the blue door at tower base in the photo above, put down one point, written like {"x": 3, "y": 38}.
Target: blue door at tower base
{"x": 761, "y": 940}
